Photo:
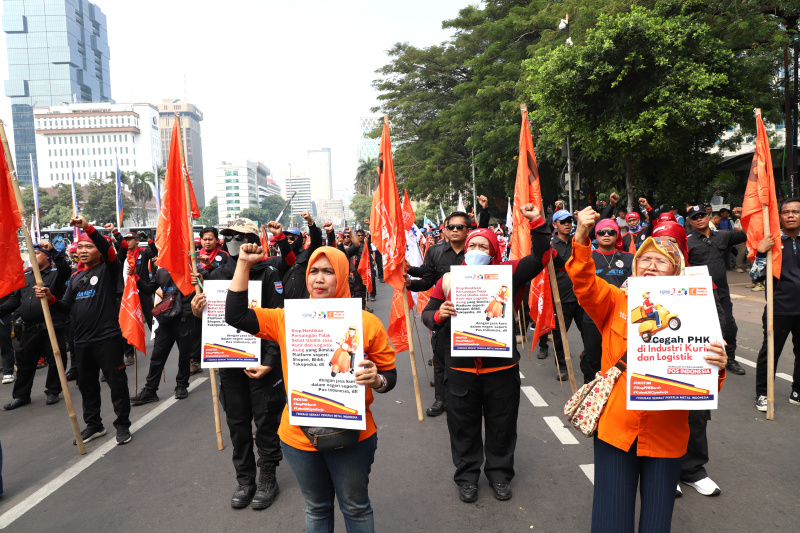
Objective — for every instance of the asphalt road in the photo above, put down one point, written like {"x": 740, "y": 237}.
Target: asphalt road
{"x": 172, "y": 478}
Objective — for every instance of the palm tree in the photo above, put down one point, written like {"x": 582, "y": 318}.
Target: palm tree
{"x": 365, "y": 175}
{"x": 141, "y": 190}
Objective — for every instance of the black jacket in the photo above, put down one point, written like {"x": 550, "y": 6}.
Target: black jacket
{"x": 56, "y": 279}
{"x": 712, "y": 251}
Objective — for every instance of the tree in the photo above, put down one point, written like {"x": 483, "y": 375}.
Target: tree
{"x": 272, "y": 205}
{"x": 142, "y": 192}
{"x": 209, "y": 215}
{"x": 46, "y": 202}
{"x": 256, "y": 214}
{"x": 361, "y": 205}
{"x": 366, "y": 175}
{"x": 100, "y": 207}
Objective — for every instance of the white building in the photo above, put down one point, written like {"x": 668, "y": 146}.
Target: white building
{"x": 345, "y": 196}
{"x": 90, "y": 137}
{"x": 236, "y": 188}
{"x": 318, "y": 172}
{"x": 331, "y": 211}
{"x": 302, "y": 201}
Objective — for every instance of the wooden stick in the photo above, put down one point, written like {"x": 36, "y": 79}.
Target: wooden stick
{"x": 422, "y": 352}
{"x": 135, "y": 372}
{"x": 521, "y": 334}
{"x": 198, "y": 290}
{"x": 411, "y": 354}
{"x": 770, "y": 325}
{"x": 73, "y": 418}
{"x": 561, "y": 326}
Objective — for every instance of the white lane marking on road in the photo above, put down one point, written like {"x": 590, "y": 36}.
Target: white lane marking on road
{"x": 521, "y": 376}
{"x": 787, "y": 377}
{"x": 535, "y": 398}
{"x": 589, "y": 471}
{"x": 563, "y": 434}
{"x": 85, "y": 462}
{"x": 749, "y": 363}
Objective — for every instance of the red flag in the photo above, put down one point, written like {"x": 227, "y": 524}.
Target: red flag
{"x": 386, "y": 224}
{"x": 397, "y": 331}
{"x": 526, "y": 191}
{"x": 408, "y": 213}
{"x": 264, "y": 239}
{"x": 172, "y": 235}
{"x": 422, "y": 300}
{"x": 363, "y": 268}
{"x": 12, "y": 276}
{"x": 760, "y": 191}
{"x": 192, "y": 199}
{"x": 540, "y": 302}
{"x": 131, "y": 319}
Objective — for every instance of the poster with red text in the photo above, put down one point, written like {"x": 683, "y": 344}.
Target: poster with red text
{"x": 225, "y": 346}
{"x": 484, "y": 323}
{"x": 671, "y": 321}
{"x": 324, "y": 344}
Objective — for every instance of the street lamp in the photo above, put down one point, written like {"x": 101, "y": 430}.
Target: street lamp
{"x": 564, "y": 25}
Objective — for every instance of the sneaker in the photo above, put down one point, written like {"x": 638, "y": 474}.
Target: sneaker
{"x": 740, "y": 270}
{"x": 194, "y": 368}
{"x": 145, "y": 396}
{"x": 468, "y": 493}
{"x": 794, "y": 398}
{"x": 758, "y": 287}
{"x": 51, "y": 398}
{"x": 8, "y": 378}
{"x": 542, "y": 353}
{"x": 734, "y": 367}
{"x": 678, "y": 491}
{"x": 705, "y": 486}
{"x": 123, "y": 436}
{"x": 41, "y": 363}
{"x": 181, "y": 393}
{"x": 129, "y": 361}
{"x": 761, "y": 403}
{"x": 750, "y": 285}
{"x": 89, "y": 434}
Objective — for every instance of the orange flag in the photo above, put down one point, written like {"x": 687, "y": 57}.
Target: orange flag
{"x": 386, "y": 224}
{"x": 172, "y": 235}
{"x": 264, "y": 239}
{"x": 760, "y": 191}
{"x": 397, "y": 331}
{"x": 422, "y": 300}
{"x": 131, "y": 319}
{"x": 192, "y": 199}
{"x": 363, "y": 268}
{"x": 526, "y": 191}
{"x": 540, "y": 301}
{"x": 408, "y": 213}
{"x": 12, "y": 276}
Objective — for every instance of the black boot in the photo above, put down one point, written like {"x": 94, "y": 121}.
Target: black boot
{"x": 267, "y": 486}
{"x": 242, "y": 496}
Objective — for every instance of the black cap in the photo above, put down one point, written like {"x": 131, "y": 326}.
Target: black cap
{"x": 696, "y": 209}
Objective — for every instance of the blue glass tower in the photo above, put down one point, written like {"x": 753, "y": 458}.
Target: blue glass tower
{"x": 57, "y": 53}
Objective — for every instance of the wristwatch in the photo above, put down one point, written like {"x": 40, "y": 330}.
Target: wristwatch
{"x": 383, "y": 384}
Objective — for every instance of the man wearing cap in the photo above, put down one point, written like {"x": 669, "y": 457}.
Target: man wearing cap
{"x": 35, "y": 340}
{"x": 562, "y": 244}
{"x": 91, "y": 298}
{"x": 636, "y": 235}
{"x": 253, "y": 395}
{"x": 293, "y": 261}
{"x": 707, "y": 247}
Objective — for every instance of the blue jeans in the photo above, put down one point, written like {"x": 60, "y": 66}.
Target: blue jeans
{"x": 343, "y": 474}
{"x": 617, "y": 474}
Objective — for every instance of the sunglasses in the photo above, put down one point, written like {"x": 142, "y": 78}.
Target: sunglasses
{"x": 606, "y": 233}
{"x": 291, "y": 238}
{"x": 458, "y": 227}
{"x": 566, "y": 221}
{"x": 698, "y": 216}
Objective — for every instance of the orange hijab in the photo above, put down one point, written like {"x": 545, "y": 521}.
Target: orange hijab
{"x": 340, "y": 267}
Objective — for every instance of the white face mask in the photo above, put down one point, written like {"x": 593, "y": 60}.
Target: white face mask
{"x": 477, "y": 258}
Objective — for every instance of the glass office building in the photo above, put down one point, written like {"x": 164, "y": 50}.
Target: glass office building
{"x": 57, "y": 54}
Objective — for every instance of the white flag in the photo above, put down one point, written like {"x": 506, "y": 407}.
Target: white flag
{"x": 461, "y": 204}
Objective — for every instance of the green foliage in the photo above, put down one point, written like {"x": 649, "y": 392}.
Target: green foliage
{"x": 101, "y": 200}
{"x": 209, "y": 215}
{"x": 46, "y": 202}
{"x": 142, "y": 186}
{"x": 272, "y": 206}
{"x": 361, "y": 206}
{"x": 366, "y": 174}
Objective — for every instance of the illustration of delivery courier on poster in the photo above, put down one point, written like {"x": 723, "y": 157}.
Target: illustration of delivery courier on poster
{"x": 225, "y": 346}
{"x": 324, "y": 343}
{"x": 672, "y": 320}
{"x": 481, "y": 326}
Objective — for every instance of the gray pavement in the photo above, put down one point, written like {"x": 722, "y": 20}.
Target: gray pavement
{"x": 172, "y": 478}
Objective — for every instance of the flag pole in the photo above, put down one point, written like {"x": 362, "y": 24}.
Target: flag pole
{"x": 193, "y": 264}
{"x": 770, "y": 318}
{"x": 422, "y": 352}
{"x": 551, "y": 270}
{"x": 73, "y": 418}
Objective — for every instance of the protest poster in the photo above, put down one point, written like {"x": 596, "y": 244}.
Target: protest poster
{"x": 324, "y": 344}
{"x": 484, "y": 323}
{"x": 225, "y": 346}
{"x": 671, "y": 321}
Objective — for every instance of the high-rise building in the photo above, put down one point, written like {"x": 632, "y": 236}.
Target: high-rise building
{"x": 57, "y": 54}
{"x": 191, "y": 117}
{"x": 345, "y": 196}
{"x": 237, "y": 189}
{"x": 273, "y": 189}
{"x": 298, "y": 182}
{"x": 369, "y": 146}
{"x": 263, "y": 179}
{"x": 318, "y": 172}
{"x": 91, "y": 138}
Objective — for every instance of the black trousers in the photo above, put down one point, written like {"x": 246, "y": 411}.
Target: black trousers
{"x": 592, "y": 351}
{"x": 245, "y": 401}
{"x": 572, "y": 311}
{"x": 440, "y": 343}
{"x": 694, "y": 461}
{"x": 105, "y": 356}
{"x": 379, "y": 264}
{"x": 491, "y": 400}
{"x": 35, "y": 343}
{"x": 783, "y": 325}
{"x": 6, "y": 348}
{"x": 731, "y": 329}
{"x": 185, "y": 331}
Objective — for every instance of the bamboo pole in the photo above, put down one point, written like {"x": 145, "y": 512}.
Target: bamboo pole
{"x": 551, "y": 270}
{"x": 411, "y": 354}
{"x": 422, "y": 352}
{"x": 770, "y": 325}
{"x": 135, "y": 371}
{"x": 73, "y": 418}
{"x": 198, "y": 290}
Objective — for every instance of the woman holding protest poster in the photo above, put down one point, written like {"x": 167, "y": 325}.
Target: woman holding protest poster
{"x": 631, "y": 448}
{"x": 322, "y": 474}
{"x": 484, "y": 391}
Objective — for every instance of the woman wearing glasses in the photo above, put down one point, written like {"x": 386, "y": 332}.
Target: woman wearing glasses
{"x": 632, "y": 449}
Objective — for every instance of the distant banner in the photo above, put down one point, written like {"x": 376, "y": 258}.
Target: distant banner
{"x": 225, "y": 346}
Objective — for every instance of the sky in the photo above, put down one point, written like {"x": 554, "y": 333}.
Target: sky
{"x": 273, "y": 79}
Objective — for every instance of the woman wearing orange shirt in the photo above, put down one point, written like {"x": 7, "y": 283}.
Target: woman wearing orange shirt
{"x": 631, "y": 448}
{"x": 322, "y": 475}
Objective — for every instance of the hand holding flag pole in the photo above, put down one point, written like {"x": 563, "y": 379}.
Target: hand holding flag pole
{"x": 73, "y": 418}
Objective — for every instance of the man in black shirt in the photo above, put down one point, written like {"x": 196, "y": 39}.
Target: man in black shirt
{"x": 91, "y": 298}
{"x": 360, "y": 244}
{"x": 710, "y": 248}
